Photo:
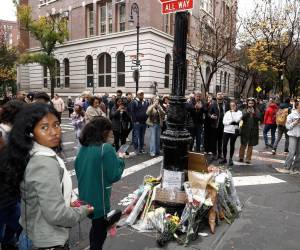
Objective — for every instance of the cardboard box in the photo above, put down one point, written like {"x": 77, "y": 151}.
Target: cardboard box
{"x": 167, "y": 196}
{"x": 197, "y": 162}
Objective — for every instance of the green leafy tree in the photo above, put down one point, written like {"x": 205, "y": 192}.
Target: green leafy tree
{"x": 49, "y": 31}
{"x": 8, "y": 58}
{"x": 272, "y": 31}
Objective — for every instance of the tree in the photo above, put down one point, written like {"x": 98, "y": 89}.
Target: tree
{"x": 213, "y": 40}
{"x": 272, "y": 32}
{"x": 292, "y": 72}
{"x": 49, "y": 31}
{"x": 8, "y": 58}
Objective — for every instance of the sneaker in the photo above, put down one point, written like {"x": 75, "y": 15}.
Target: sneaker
{"x": 286, "y": 151}
{"x": 273, "y": 151}
{"x": 282, "y": 170}
{"x": 134, "y": 153}
{"x": 224, "y": 161}
{"x": 230, "y": 163}
{"x": 248, "y": 162}
{"x": 142, "y": 151}
{"x": 152, "y": 155}
{"x": 241, "y": 160}
{"x": 293, "y": 172}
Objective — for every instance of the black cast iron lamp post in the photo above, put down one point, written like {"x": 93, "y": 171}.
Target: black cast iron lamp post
{"x": 135, "y": 9}
{"x": 176, "y": 138}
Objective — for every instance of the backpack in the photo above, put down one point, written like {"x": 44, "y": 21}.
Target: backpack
{"x": 281, "y": 116}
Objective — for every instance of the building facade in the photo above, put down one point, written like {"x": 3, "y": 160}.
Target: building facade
{"x": 10, "y": 32}
{"x": 102, "y": 47}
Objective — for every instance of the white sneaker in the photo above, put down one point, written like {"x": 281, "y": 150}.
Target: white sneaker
{"x": 282, "y": 170}
{"x": 293, "y": 172}
{"x": 133, "y": 153}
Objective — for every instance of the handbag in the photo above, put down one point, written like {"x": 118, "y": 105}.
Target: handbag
{"x": 237, "y": 131}
{"x": 114, "y": 215}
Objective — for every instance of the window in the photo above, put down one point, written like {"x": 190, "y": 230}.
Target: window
{"x": 167, "y": 71}
{"x": 89, "y": 72}
{"x": 121, "y": 69}
{"x": 67, "y": 72}
{"x": 224, "y": 83}
{"x": 228, "y": 83}
{"x": 43, "y": 2}
{"x": 105, "y": 18}
{"x": 187, "y": 74}
{"x": 57, "y": 74}
{"x": 45, "y": 76}
{"x": 169, "y": 23}
{"x": 104, "y": 76}
{"x": 90, "y": 20}
{"x": 207, "y": 5}
{"x": 122, "y": 17}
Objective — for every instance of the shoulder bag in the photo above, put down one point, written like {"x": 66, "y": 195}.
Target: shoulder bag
{"x": 114, "y": 215}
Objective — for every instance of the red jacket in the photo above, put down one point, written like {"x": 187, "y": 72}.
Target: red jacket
{"x": 270, "y": 114}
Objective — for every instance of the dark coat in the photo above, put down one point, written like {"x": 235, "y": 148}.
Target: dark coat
{"x": 215, "y": 110}
{"x": 120, "y": 122}
{"x": 250, "y": 128}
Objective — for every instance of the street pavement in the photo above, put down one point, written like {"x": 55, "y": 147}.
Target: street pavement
{"x": 270, "y": 218}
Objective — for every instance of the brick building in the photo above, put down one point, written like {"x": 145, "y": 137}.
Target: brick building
{"x": 10, "y": 32}
{"x": 102, "y": 45}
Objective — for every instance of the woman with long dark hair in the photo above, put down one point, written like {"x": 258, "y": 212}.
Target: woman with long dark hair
{"x": 31, "y": 169}
{"x": 9, "y": 206}
{"x": 121, "y": 123}
{"x": 249, "y": 130}
{"x": 97, "y": 168}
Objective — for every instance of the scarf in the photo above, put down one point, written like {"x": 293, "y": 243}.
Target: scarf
{"x": 66, "y": 183}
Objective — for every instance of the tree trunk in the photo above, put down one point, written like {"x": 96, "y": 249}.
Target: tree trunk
{"x": 52, "y": 81}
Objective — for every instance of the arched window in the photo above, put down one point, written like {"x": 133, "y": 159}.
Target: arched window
{"x": 104, "y": 74}
{"x": 167, "y": 70}
{"x": 120, "y": 69}
{"x": 45, "y": 76}
{"x": 208, "y": 71}
{"x": 89, "y": 72}
{"x": 187, "y": 74}
{"x": 228, "y": 83}
{"x": 224, "y": 83}
{"x": 57, "y": 74}
{"x": 67, "y": 72}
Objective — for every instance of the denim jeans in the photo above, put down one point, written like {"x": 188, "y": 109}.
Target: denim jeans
{"x": 294, "y": 152}
{"x": 24, "y": 242}
{"x": 198, "y": 135}
{"x": 155, "y": 139}
{"x": 10, "y": 228}
{"x": 282, "y": 130}
{"x": 139, "y": 136}
{"x": 267, "y": 128}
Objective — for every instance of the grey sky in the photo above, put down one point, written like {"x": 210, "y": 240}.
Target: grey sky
{"x": 7, "y": 10}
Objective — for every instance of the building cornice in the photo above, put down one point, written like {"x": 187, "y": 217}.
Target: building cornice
{"x": 143, "y": 31}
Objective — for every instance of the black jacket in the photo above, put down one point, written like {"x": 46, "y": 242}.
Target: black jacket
{"x": 120, "y": 122}
{"x": 214, "y": 109}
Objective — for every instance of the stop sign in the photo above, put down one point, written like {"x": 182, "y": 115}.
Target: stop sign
{"x": 171, "y": 6}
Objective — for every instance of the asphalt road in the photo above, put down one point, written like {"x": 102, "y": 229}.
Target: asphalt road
{"x": 271, "y": 211}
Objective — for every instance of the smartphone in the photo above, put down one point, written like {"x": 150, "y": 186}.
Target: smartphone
{"x": 123, "y": 149}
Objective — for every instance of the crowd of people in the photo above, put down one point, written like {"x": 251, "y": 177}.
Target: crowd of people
{"x": 36, "y": 186}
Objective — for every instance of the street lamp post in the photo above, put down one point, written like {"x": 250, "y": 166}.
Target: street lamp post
{"x": 135, "y": 9}
{"x": 176, "y": 138}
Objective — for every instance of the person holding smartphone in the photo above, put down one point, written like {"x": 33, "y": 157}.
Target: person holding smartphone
{"x": 155, "y": 121}
{"x": 293, "y": 126}
{"x": 121, "y": 123}
{"x": 249, "y": 130}
{"x": 97, "y": 167}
